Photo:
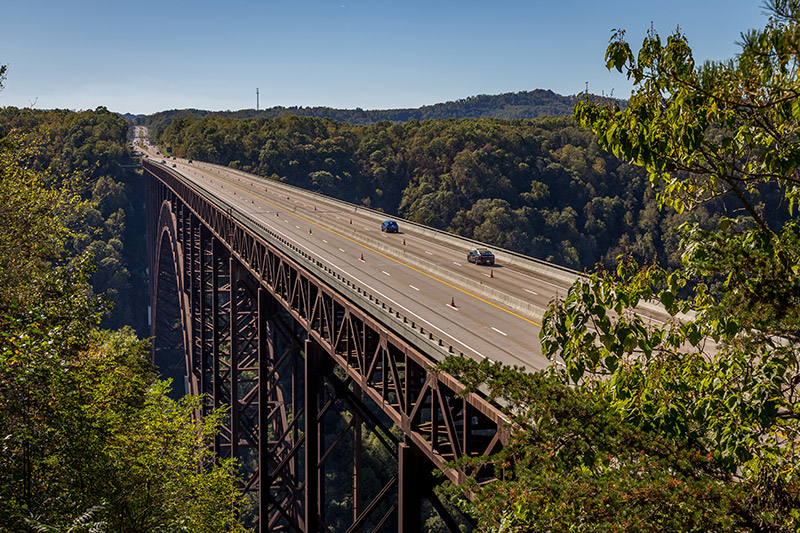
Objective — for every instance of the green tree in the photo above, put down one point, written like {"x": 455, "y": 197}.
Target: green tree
{"x": 716, "y": 384}
{"x": 89, "y": 439}
{"x": 86, "y": 153}
{"x": 573, "y": 462}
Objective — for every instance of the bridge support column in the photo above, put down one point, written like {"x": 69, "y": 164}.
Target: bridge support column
{"x": 233, "y": 368}
{"x": 313, "y": 478}
{"x": 264, "y": 357}
{"x": 410, "y": 491}
{"x": 220, "y": 305}
{"x": 358, "y": 504}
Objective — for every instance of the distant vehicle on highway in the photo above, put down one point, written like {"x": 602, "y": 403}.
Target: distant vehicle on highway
{"x": 190, "y": 161}
{"x": 481, "y": 256}
{"x": 163, "y": 162}
{"x": 174, "y": 165}
{"x": 389, "y": 226}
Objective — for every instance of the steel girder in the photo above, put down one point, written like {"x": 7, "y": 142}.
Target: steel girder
{"x": 282, "y": 349}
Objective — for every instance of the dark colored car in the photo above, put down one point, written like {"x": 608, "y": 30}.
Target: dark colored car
{"x": 481, "y": 256}
{"x": 389, "y": 226}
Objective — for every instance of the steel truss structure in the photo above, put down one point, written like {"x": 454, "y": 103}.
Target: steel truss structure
{"x": 337, "y": 421}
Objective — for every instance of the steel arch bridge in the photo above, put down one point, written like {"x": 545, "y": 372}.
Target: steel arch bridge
{"x": 337, "y": 419}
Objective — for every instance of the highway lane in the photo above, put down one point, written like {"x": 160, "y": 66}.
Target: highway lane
{"x": 361, "y": 224}
{"x": 415, "y": 274}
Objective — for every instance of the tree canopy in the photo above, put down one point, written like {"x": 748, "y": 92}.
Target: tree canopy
{"x": 89, "y": 439}
{"x": 710, "y": 396}
{"x": 85, "y": 154}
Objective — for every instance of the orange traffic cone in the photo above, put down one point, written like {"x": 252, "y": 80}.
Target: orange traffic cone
{"x": 452, "y": 302}
{"x": 491, "y": 273}
{"x": 362, "y": 257}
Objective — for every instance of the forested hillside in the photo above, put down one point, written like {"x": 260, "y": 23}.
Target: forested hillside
{"x": 91, "y": 440}
{"x": 686, "y": 424}
{"x": 509, "y": 106}
{"x": 90, "y": 148}
{"x": 541, "y": 187}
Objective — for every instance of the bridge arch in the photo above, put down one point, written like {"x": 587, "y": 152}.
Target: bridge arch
{"x": 170, "y": 324}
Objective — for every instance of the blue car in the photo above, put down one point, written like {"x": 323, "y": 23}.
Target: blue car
{"x": 389, "y": 226}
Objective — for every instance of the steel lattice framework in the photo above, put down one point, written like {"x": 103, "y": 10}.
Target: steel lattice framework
{"x": 307, "y": 372}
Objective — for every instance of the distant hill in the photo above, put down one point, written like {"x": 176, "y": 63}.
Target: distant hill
{"x": 508, "y": 106}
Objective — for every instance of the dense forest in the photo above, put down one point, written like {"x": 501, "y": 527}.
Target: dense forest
{"x": 690, "y": 424}
{"x": 542, "y": 187}
{"x": 88, "y": 152}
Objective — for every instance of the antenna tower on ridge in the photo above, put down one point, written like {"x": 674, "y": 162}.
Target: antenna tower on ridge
{"x": 256, "y": 99}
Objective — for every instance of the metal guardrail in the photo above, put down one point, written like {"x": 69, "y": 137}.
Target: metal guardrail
{"x": 432, "y": 345}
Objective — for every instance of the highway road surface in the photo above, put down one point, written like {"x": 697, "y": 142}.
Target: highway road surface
{"x": 484, "y": 312}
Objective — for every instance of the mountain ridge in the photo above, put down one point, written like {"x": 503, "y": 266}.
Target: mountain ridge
{"x": 507, "y": 106}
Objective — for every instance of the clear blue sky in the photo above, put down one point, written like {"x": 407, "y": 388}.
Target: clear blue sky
{"x": 146, "y": 56}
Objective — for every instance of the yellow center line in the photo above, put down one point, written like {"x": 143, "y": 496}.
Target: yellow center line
{"x": 376, "y": 251}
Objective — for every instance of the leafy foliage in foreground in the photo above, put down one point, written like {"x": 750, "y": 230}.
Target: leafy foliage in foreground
{"x": 710, "y": 395}
{"x": 573, "y": 462}
{"x": 89, "y": 440}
